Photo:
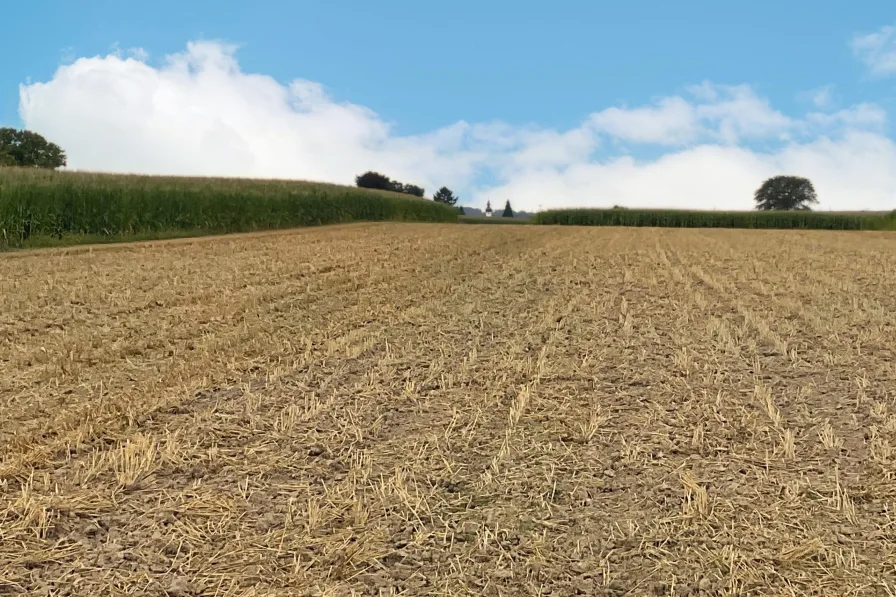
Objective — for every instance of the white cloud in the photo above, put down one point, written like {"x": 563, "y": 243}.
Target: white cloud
{"x": 673, "y": 121}
{"x": 726, "y": 114}
{"x": 199, "y": 113}
{"x": 738, "y": 113}
{"x": 877, "y": 50}
{"x": 853, "y": 173}
{"x": 546, "y": 149}
{"x": 862, "y": 115}
{"x": 702, "y": 177}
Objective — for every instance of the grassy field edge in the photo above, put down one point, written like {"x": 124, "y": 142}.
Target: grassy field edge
{"x": 54, "y": 209}
{"x": 805, "y": 220}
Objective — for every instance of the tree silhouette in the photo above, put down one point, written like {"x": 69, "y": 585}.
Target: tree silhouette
{"x": 508, "y": 211}
{"x": 412, "y": 189}
{"x": 444, "y": 195}
{"x": 785, "y": 193}
{"x": 374, "y": 180}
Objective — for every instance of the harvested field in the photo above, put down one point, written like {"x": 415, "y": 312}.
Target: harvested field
{"x": 414, "y": 409}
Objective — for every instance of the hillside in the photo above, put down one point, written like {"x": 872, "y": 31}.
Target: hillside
{"x": 39, "y": 207}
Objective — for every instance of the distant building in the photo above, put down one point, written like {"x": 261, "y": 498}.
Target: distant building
{"x": 488, "y": 209}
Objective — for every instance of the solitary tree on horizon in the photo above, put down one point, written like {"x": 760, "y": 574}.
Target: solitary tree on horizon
{"x": 444, "y": 195}
{"x": 508, "y": 211}
{"x": 785, "y": 193}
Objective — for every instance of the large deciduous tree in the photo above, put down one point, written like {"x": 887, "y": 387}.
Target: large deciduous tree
{"x": 28, "y": 149}
{"x": 785, "y": 193}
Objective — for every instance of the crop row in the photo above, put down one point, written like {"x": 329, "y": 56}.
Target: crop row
{"x": 706, "y": 219}
{"x": 58, "y": 204}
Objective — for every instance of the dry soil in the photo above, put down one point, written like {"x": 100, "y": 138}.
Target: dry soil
{"x": 388, "y": 409}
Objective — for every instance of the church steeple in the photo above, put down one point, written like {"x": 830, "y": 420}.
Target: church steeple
{"x": 488, "y": 209}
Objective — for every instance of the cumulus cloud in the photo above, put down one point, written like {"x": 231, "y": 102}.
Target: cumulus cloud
{"x": 877, "y": 50}
{"x": 853, "y": 173}
{"x": 198, "y": 113}
{"x": 722, "y": 113}
{"x": 738, "y": 113}
{"x": 672, "y": 121}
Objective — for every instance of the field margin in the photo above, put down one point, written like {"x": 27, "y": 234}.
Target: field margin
{"x": 781, "y": 220}
{"x": 54, "y": 209}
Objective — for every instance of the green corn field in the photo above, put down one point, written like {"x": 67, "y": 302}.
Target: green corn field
{"x": 705, "y": 219}
{"x": 38, "y": 206}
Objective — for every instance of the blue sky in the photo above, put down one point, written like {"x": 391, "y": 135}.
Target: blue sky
{"x": 492, "y": 98}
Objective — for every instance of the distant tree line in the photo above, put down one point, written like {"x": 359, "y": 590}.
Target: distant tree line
{"x": 779, "y": 193}
{"x": 375, "y": 180}
{"x": 27, "y": 149}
